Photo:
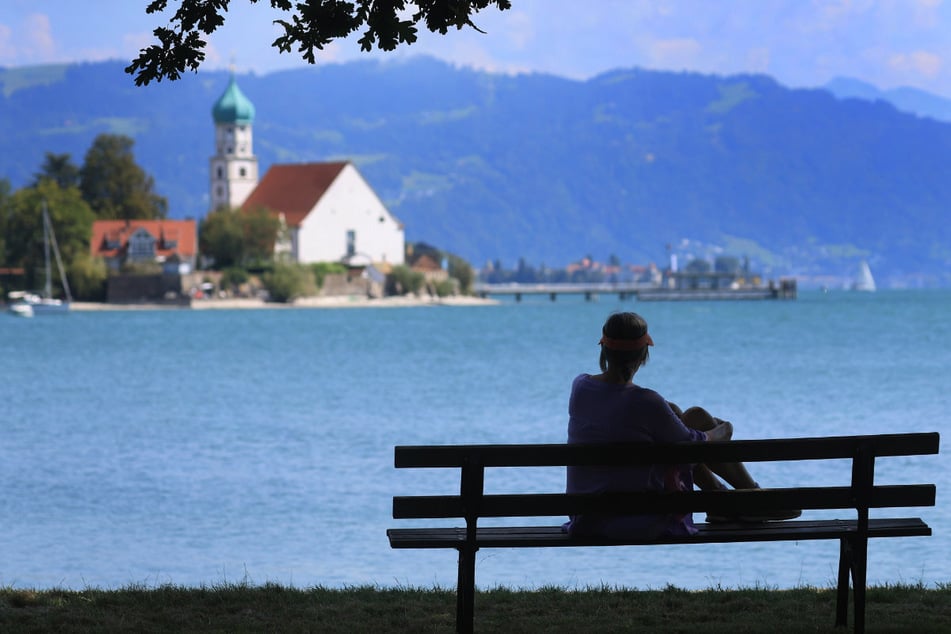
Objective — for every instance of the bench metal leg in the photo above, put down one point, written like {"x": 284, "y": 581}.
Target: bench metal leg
{"x": 842, "y": 591}
{"x": 859, "y": 568}
{"x": 853, "y": 562}
{"x": 465, "y": 590}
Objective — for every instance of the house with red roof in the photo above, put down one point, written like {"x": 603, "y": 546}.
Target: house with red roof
{"x": 328, "y": 212}
{"x": 331, "y": 214}
{"x": 173, "y": 244}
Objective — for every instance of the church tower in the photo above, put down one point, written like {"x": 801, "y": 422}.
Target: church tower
{"x": 234, "y": 168}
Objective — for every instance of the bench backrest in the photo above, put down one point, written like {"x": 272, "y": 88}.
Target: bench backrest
{"x": 472, "y": 460}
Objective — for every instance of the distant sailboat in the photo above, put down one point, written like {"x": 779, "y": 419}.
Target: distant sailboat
{"x": 864, "y": 280}
{"x": 29, "y": 304}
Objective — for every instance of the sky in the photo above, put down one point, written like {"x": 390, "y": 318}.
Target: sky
{"x": 801, "y": 43}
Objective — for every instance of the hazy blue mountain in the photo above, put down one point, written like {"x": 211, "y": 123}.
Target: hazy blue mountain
{"x": 545, "y": 168}
{"x": 906, "y": 99}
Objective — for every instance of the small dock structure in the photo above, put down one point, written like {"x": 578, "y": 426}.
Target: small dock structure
{"x": 687, "y": 288}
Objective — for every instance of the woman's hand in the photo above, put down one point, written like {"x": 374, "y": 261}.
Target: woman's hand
{"x": 722, "y": 431}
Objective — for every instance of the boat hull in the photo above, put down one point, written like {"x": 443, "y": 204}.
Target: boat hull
{"x": 20, "y": 309}
{"x": 50, "y": 307}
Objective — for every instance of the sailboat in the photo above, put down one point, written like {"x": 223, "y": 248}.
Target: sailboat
{"x": 29, "y": 304}
{"x": 864, "y": 280}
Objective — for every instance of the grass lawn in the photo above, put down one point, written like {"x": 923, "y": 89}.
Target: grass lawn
{"x": 274, "y": 608}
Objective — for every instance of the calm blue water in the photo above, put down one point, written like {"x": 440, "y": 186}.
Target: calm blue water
{"x": 207, "y": 447}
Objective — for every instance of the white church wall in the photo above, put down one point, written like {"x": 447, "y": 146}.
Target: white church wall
{"x": 350, "y": 205}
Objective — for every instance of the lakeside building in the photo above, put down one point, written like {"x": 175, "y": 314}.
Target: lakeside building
{"x": 170, "y": 244}
{"x": 160, "y": 254}
{"x": 328, "y": 212}
{"x": 331, "y": 214}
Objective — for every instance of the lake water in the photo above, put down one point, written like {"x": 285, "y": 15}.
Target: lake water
{"x": 209, "y": 447}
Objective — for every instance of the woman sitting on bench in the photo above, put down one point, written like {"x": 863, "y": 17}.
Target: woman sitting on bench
{"x": 609, "y": 407}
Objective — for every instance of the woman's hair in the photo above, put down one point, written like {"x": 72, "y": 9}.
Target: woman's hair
{"x": 624, "y": 326}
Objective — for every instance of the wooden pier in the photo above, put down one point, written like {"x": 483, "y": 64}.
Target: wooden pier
{"x": 785, "y": 289}
{"x": 590, "y": 291}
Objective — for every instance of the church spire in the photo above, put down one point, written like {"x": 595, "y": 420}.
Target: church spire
{"x": 234, "y": 168}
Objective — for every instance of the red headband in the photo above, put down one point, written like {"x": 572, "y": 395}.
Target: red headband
{"x": 627, "y": 344}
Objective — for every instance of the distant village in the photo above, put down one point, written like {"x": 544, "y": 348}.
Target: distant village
{"x": 326, "y": 217}
{"x": 309, "y": 230}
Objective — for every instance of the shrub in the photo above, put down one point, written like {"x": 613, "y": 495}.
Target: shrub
{"x": 286, "y": 282}
{"x": 87, "y": 278}
{"x": 232, "y": 278}
{"x": 322, "y": 269}
{"x": 402, "y": 280}
{"x": 445, "y": 288}
{"x": 462, "y": 271}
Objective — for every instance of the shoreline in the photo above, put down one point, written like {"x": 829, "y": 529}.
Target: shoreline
{"x": 342, "y": 301}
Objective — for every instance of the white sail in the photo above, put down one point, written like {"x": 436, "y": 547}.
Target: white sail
{"x": 864, "y": 280}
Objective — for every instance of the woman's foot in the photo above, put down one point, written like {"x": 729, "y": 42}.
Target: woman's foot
{"x": 752, "y": 517}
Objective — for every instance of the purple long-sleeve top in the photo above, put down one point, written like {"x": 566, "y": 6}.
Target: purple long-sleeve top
{"x": 601, "y": 412}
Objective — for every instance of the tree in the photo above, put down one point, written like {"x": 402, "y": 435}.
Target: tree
{"x": 462, "y": 271}
{"x": 60, "y": 168}
{"x": 238, "y": 238}
{"x": 309, "y": 25}
{"x": 71, "y": 219}
{"x": 115, "y": 186}
{"x": 87, "y": 276}
{"x": 4, "y": 218}
{"x": 221, "y": 238}
{"x": 260, "y": 229}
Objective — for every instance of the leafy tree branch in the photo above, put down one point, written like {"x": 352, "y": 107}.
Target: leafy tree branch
{"x": 309, "y": 26}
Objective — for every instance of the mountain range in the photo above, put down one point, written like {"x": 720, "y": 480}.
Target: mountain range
{"x": 633, "y": 163}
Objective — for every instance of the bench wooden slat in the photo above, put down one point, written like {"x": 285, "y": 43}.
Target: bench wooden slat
{"x": 434, "y": 456}
{"x": 544, "y": 536}
{"x": 724, "y": 502}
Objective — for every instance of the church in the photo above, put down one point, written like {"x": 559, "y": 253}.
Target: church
{"x": 328, "y": 212}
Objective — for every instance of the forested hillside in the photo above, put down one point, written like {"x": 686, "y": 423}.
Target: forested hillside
{"x": 496, "y": 167}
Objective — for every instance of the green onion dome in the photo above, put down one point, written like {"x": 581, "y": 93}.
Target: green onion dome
{"x": 233, "y": 106}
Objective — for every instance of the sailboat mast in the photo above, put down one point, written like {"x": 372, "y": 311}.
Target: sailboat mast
{"x": 50, "y": 238}
{"x": 48, "y": 289}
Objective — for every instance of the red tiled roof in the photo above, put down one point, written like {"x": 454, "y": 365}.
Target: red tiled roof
{"x": 183, "y": 232}
{"x": 293, "y": 189}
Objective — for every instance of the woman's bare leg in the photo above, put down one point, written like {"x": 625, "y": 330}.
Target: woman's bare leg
{"x": 734, "y": 473}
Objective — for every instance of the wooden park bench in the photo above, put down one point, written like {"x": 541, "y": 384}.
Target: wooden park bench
{"x": 853, "y": 534}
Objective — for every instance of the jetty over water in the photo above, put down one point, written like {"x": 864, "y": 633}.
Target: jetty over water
{"x": 590, "y": 290}
{"x": 785, "y": 289}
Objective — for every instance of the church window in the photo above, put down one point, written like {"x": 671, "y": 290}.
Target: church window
{"x": 243, "y": 171}
{"x": 351, "y": 242}
{"x": 220, "y": 172}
